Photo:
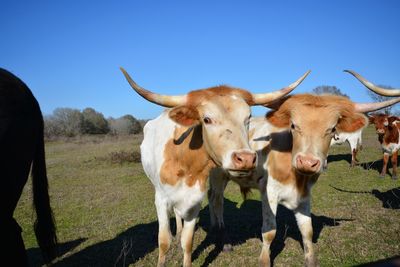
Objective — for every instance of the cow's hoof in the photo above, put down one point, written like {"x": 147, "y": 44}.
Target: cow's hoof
{"x": 227, "y": 248}
{"x": 394, "y": 177}
{"x": 381, "y": 176}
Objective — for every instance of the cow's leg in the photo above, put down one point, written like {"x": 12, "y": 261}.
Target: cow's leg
{"x": 354, "y": 144}
{"x": 164, "y": 231}
{"x": 385, "y": 162}
{"x": 354, "y": 160}
{"x": 269, "y": 202}
{"x": 187, "y": 241}
{"x": 178, "y": 225}
{"x": 394, "y": 165}
{"x": 303, "y": 218}
{"x": 218, "y": 182}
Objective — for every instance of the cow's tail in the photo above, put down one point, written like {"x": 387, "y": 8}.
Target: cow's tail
{"x": 45, "y": 228}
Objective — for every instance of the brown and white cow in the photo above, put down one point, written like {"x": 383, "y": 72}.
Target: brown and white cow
{"x": 292, "y": 143}
{"x": 387, "y": 128}
{"x": 203, "y": 129}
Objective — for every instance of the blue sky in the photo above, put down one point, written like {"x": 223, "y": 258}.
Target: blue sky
{"x": 69, "y": 52}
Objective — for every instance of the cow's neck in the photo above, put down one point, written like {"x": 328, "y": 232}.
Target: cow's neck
{"x": 186, "y": 159}
{"x": 280, "y": 168}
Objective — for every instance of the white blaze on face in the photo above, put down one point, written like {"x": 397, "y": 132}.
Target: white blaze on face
{"x": 225, "y": 122}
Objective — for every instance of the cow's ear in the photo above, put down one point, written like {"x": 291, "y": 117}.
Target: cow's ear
{"x": 279, "y": 118}
{"x": 392, "y": 119}
{"x": 351, "y": 122}
{"x": 371, "y": 119}
{"x": 185, "y": 115}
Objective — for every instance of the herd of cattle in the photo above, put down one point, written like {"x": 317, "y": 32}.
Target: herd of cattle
{"x": 204, "y": 136}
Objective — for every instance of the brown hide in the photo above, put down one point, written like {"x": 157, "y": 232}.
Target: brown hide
{"x": 185, "y": 158}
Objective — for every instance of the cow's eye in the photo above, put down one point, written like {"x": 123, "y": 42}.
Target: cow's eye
{"x": 292, "y": 126}
{"x": 333, "y": 129}
{"x": 207, "y": 120}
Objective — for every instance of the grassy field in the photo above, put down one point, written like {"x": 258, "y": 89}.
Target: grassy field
{"x": 104, "y": 208}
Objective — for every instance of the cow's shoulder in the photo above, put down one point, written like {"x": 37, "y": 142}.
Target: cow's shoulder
{"x": 185, "y": 158}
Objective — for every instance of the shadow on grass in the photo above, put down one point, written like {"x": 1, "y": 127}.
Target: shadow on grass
{"x": 390, "y": 199}
{"x": 35, "y": 256}
{"x": 378, "y": 165}
{"x": 339, "y": 157}
{"x": 390, "y": 262}
{"x": 126, "y": 248}
{"x": 242, "y": 223}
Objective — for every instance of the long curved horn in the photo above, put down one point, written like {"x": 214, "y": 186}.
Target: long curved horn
{"x": 374, "y": 88}
{"x": 162, "y": 100}
{"x": 263, "y": 99}
{"x": 367, "y": 107}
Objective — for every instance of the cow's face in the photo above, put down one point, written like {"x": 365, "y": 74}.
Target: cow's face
{"x": 224, "y": 120}
{"x": 383, "y": 122}
{"x": 313, "y": 121}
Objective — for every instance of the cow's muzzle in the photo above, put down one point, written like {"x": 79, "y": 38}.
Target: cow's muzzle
{"x": 307, "y": 164}
{"x": 244, "y": 161}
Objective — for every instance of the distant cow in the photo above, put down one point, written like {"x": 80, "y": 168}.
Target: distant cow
{"x": 22, "y": 147}
{"x": 387, "y": 128}
{"x": 203, "y": 129}
{"x": 354, "y": 140}
{"x": 292, "y": 143}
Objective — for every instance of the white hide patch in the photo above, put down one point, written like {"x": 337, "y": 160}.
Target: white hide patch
{"x": 285, "y": 194}
{"x": 390, "y": 148}
{"x": 354, "y": 139}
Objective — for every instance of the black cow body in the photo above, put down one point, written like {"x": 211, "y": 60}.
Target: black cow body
{"x": 22, "y": 147}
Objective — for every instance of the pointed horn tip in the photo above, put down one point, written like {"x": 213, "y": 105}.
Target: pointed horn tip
{"x": 352, "y": 72}
{"x": 123, "y": 70}
{"x": 305, "y": 75}
{"x": 296, "y": 83}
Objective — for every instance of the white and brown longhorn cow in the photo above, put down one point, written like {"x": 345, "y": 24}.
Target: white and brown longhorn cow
{"x": 292, "y": 143}
{"x": 203, "y": 129}
{"x": 388, "y": 129}
{"x": 355, "y": 142}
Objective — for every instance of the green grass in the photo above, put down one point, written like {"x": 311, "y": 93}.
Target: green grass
{"x": 105, "y": 212}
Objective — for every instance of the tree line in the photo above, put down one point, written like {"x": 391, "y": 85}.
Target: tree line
{"x": 328, "y": 89}
{"x": 71, "y": 122}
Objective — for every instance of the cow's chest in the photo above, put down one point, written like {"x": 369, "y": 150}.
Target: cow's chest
{"x": 287, "y": 195}
{"x": 184, "y": 199}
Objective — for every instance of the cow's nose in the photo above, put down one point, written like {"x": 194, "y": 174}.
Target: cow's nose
{"x": 380, "y": 131}
{"x": 308, "y": 164}
{"x": 244, "y": 160}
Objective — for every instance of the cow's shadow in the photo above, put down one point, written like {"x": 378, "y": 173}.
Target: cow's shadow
{"x": 245, "y": 222}
{"x": 390, "y": 199}
{"x": 126, "y": 248}
{"x": 35, "y": 257}
{"x": 339, "y": 157}
{"x": 242, "y": 223}
{"x": 377, "y": 165}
